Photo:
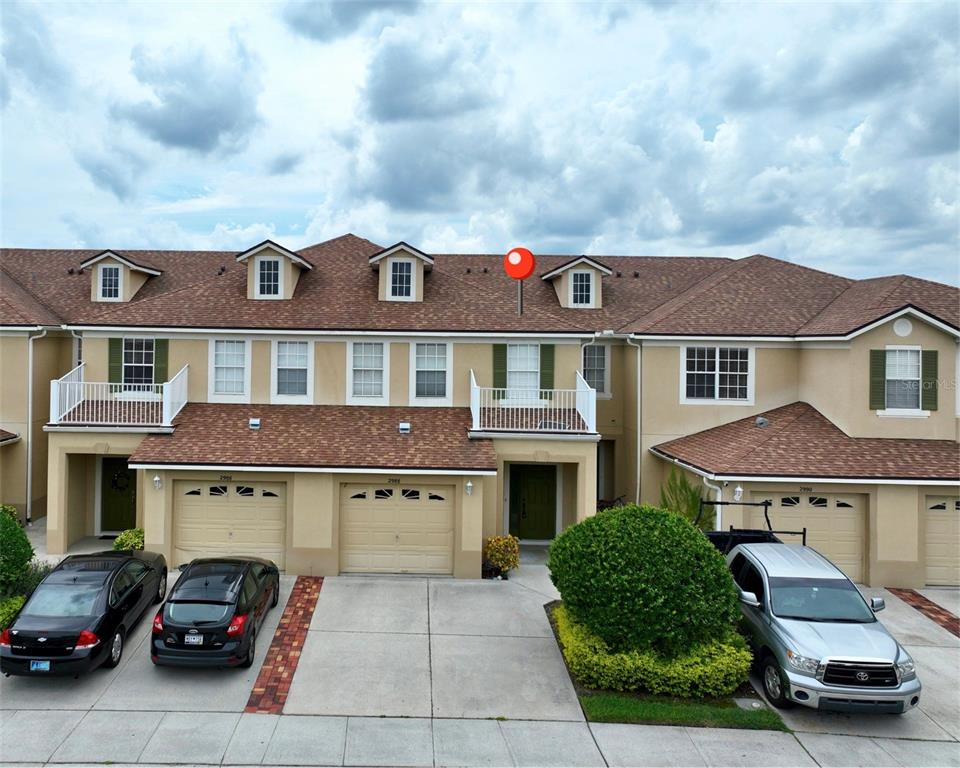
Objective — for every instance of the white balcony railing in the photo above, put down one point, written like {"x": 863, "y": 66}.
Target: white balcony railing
{"x": 505, "y": 409}
{"x": 76, "y": 402}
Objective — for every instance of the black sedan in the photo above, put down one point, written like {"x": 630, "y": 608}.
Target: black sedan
{"x": 78, "y": 617}
{"x": 214, "y": 613}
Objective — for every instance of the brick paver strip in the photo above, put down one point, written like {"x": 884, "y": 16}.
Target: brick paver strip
{"x": 928, "y": 608}
{"x": 276, "y": 675}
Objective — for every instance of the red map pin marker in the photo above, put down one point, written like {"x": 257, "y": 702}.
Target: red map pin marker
{"x": 519, "y": 263}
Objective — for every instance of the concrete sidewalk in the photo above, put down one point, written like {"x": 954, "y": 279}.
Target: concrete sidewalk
{"x": 216, "y": 738}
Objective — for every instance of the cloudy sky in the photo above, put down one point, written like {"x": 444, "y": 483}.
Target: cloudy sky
{"x": 826, "y": 134}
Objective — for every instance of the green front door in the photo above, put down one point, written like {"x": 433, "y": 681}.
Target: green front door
{"x": 533, "y": 501}
{"x": 118, "y": 495}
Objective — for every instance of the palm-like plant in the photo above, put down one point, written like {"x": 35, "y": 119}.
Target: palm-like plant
{"x": 682, "y": 497}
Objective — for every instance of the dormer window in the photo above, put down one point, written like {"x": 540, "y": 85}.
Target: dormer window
{"x": 109, "y": 282}
{"x": 581, "y": 289}
{"x": 268, "y": 278}
{"x": 401, "y": 279}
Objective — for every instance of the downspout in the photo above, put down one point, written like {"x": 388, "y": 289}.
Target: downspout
{"x": 639, "y": 346}
{"x": 717, "y": 510}
{"x": 31, "y": 339}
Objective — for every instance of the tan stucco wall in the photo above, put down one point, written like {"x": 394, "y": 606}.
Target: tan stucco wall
{"x": 561, "y": 285}
{"x": 312, "y": 525}
{"x": 260, "y": 372}
{"x": 479, "y": 358}
{"x": 130, "y": 281}
{"x": 289, "y": 275}
{"x": 836, "y": 381}
{"x": 399, "y": 372}
{"x": 196, "y": 354}
{"x": 330, "y": 373}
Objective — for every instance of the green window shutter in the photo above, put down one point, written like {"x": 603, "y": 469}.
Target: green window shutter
{"x": 878, "y": 379}
{"x": 499, "y": 368}
{"x": 928, "y": 383}
{"x": 160, "y": 347}
{"x": 546, "y": 368}
{"x": 115, "y": 361}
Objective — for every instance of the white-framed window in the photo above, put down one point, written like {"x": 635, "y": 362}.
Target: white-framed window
{"x": 903, "y": 379}
{"x": 581, "y": 289}
{"x": 138, "y": 358}
{"x": 596, "y": 367}
{"x": 431, "y": 374}
{"x": 291, "y": 377}
{"x": 717, "y": 374}
{"x": 109, "y": 282}
{"x": 229, "y": 377}
{"x": 368, "y": 373}
{"x": 268, "y": 277}
{"x": 523, "y": 372}
{"x": 402, "y": 280}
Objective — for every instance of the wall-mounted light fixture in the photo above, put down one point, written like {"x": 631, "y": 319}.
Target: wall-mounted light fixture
{"x": 469, "y": 487}
{"x": 157, "y": 482}
{"x": 738, "y": 493}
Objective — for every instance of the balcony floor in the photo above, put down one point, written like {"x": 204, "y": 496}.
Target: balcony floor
{"x": 532, "y": 419}
{"x": 115, "y": 412}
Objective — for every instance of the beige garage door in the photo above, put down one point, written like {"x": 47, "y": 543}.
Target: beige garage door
{"x": 835, "y": 525}
{"x": 943, "y": 540}
{"x": 396, "y": 529}
{"x": 235, "y": 518}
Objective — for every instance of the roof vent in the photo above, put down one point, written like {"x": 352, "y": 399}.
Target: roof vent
{"x": 485, "y": 270}
{"x": 254, "y": 422}
{"x": 619, "y": 273}
{"x": 636, "y": 274}
{"x": 221, "y": 270}
{"x": 70, "y": 270}
{"x": 468, "y": 270}
{"x": 762, "y": 422}
{"x": 404, "y": 427}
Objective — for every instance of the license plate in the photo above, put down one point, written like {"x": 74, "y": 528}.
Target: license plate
{"x": 39, "y": 666}
{"x": 193, "y": 639}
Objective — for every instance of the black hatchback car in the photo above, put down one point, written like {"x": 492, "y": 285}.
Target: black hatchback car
{"x": 79, "y": 616}
{"x": 214, "y": 612}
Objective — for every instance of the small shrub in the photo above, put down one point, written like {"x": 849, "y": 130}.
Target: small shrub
{"x": 11, "y": 511}
{"x": 715, "y": 668}
{"x": 35, "y": 572}
{"x": 8, "y": 609}
{"x": 132, "y": 538}
{"x": 15, "y": 552}
{"x": 643, "y": 578}
{"x": 502, "y": 552}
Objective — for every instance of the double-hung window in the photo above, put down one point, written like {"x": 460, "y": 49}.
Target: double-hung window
{"x": 230, "y": 371}
{"x": 595, "y": 367}
{"x": 431, "y": 368}
{"x": 903, "y": 379}
{"x": 717, "y": 374}
{"x": 291, "y": 370}
{"x": 268, "y": 278}
{"x": 401, "y": 279}
{"x": 138, "y": 359}
{"x": 581, "y": 289}
{"x": 368, "y": 369}
{"x": 109, "y": 283}
{"x": 523, "y": 371}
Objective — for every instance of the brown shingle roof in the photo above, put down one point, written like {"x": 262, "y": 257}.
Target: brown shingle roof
{"x": 801, "y": 442}
{"x": 19, "y": 307}
{"x": 320, "y": 436}
{"x": 8, "y": 437}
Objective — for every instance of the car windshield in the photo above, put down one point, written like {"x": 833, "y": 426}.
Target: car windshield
{"x": 197, "y": 613}
{"x": 819, "y": 600}
{"x": 55, "y": 600}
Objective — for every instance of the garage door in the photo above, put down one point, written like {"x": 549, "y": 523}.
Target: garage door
{"x": 236, "y": 518}
{"x": 396, "y": 529}
{"x": 943, "y": 540}
{"x": 835, "y": 525}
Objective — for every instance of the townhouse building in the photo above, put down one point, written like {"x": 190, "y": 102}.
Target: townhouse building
{"x": 353, "y": 408}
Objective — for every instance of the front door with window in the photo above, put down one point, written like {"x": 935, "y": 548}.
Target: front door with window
{"x": 118, "y": 495}
{"x": 533, "y": 501}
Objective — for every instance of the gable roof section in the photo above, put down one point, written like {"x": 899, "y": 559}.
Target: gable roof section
{"x": 294, "y": 257}
{"x": 557, "y": 271}
{"x": 396, "y": 248}
{"x": 800, "y": 442}
{"x": 18, "y": 307}
{"x": 138, "y": 266}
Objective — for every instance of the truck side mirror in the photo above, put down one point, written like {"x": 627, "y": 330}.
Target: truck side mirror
{"x": 877, "y": 604}
{"x": 749, "y": 598}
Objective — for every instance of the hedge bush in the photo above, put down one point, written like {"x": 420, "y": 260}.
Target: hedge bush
{"x": 8, "y": 609}
{"x": 15, "y": 552}
{"x": 35, "y": 572}
{"x": 715, "y": 668}
{"x": 503, "y": 552}
{"x": 643, "y": 578}
{"x": 132, "y": 538}
{"x": 9, "y": 510}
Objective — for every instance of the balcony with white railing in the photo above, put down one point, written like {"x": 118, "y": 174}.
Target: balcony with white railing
{"x": 75, "y": 402}
{"x": 505, "y": 409}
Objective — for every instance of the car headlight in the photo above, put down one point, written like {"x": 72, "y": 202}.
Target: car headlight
{"x": 906, "y": 668}
{"x": 803, "y": 664}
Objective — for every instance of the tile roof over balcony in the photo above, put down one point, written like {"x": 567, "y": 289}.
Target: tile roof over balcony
{"x": 757, "y": 295}
{"x": 8, "y": 437}
{"x": 317, "y": 436}
{"x": 801, "y": 442}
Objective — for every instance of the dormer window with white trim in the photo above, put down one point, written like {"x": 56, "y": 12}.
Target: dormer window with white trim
{"x": 401, "y": 279}
{"x": 581, "y": 289}
{"x": 109, "y": 282}
{"x": 268, "y": 278}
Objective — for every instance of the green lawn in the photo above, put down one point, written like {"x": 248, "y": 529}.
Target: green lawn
{"x": 658, "y": 710}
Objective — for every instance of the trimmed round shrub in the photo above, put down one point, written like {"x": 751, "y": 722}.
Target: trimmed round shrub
{"x": 132, "y": 538}
{"x": 642, "y": 578}
{"x": 15, "y": 552}
{"x": 502, "y": 552}
{"x": 8, "y": 609}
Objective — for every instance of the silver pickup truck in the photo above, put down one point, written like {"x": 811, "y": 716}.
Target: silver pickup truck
{"x": 817, "y": 641}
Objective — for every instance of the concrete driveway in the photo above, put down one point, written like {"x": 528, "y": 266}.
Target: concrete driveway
{"x": 433, "y": 648}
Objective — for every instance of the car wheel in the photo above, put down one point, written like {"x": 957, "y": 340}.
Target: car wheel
{"x": 774, "y": 686}
{"x": 276, "y": 594}
{"x": 114, "y": 650}
{"x": 161, "y": 588}
{"x": 251, "y": 652}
